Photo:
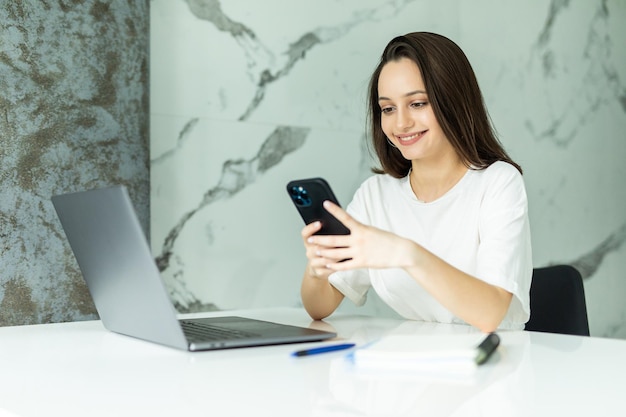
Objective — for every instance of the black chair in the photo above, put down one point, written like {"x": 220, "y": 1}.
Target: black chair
{"x": 557, "y": 301}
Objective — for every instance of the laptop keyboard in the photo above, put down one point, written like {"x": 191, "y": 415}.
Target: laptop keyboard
{"x": 197, "y": 331}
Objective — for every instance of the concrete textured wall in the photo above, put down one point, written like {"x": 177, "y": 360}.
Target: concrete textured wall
{"x": 73, "y": 116}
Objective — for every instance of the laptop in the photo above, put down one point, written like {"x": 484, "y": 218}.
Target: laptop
{"x": 131, "y": 299}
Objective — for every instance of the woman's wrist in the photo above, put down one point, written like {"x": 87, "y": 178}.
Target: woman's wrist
{"x": 313, "y": 274}
{"x": 410, "y": 254}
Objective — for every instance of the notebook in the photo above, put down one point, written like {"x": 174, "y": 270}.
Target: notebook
{"x": 420, "y": 352}
{"x": 123, "y": 279}
{"x": 449, "y": 357}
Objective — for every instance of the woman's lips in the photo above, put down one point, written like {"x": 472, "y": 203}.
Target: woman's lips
{"x": 406, "y": 140}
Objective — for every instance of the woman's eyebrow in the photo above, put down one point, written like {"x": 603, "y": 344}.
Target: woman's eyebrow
{"x": 410, "y": 93}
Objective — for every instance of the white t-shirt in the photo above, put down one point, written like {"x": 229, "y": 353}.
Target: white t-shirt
{"x": 480, "y": 226}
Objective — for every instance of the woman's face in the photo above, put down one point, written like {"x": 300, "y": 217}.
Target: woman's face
{"x": 407, "y": 118}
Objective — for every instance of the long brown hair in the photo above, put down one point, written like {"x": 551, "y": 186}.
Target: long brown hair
{"x": 454, "y": 95}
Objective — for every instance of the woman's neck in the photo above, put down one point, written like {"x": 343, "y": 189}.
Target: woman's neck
{"x": 431, "y": 180}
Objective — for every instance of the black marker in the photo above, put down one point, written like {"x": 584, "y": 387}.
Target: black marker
{"x": 486, "y": 348}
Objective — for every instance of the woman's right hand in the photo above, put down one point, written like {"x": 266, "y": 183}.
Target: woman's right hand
{"x": 319, "y": 297}
{"x": 316, "y": 266}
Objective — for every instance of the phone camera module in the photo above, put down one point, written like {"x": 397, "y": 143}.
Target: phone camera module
{"x": 300, "y": 196}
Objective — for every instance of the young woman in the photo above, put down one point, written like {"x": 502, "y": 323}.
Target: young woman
{"x": 441, "y": 231}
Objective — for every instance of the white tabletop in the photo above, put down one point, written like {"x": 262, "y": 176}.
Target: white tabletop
{"x": 81, "y": 369}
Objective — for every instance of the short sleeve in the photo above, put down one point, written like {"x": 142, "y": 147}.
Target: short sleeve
{"x": 504, "y": 254}
{"x": 354, "y": 284}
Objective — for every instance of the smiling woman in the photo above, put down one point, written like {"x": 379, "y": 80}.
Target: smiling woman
{"x": 443, "y": 77}
{"x": 409, "y": 123}
{"x": 441, "y": 231}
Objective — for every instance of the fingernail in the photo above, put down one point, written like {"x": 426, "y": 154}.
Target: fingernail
{"x": 310, "y": 240}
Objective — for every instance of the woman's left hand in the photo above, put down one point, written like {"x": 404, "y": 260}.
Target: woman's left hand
{"x": 364, "y": 247}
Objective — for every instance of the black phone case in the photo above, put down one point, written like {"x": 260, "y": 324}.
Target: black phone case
{"x": 308, "y": 195}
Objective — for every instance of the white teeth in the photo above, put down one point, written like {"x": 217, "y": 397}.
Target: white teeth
{"x": 407, "y": 138}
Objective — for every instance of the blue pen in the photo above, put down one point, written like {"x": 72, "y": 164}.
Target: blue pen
{"x": 322, "y": 349}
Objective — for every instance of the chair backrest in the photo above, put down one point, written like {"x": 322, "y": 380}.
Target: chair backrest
{"x": 557, "y": 301}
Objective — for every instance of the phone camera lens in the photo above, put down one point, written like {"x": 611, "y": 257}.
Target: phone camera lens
{"x": 300, "y": 196}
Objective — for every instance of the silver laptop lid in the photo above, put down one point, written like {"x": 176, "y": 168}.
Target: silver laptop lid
{"x": 117, "y": 264}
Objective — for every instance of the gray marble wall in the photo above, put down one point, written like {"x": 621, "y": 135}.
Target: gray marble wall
{"x": 248, "y": 95}
{"x": 73, "y": 115}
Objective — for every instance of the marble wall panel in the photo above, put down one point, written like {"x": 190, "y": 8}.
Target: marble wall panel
{"x": 246, "y": 96}
{"x": 73, "y": 116}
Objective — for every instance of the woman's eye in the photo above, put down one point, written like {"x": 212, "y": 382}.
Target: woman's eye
{"x": 386, "y": 110}
{"x": 419, "y": 104}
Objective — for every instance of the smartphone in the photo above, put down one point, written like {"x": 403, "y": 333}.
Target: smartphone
{"x": 308, "y": 195}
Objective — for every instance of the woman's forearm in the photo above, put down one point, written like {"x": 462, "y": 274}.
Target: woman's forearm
{"x": 476, "y": 302}
{"x": 319, "y": 297}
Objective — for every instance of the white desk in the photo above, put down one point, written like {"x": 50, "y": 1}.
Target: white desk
{"x": 81, "y": 369}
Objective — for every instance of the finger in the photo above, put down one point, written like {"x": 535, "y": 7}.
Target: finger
{"x": 340, "y": 214}
{"x": 320, "y": 262}
{"x": 318, "y": 267}
{"x": 311, "y": 252}
{"x": 329, "y": 241}
{"x": 343, "y": 265}
{"x": 310, "y": 229}
{"x": 335, "y": 254}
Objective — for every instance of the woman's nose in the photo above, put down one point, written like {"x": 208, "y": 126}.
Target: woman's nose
{"x": 403, "y": 119}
